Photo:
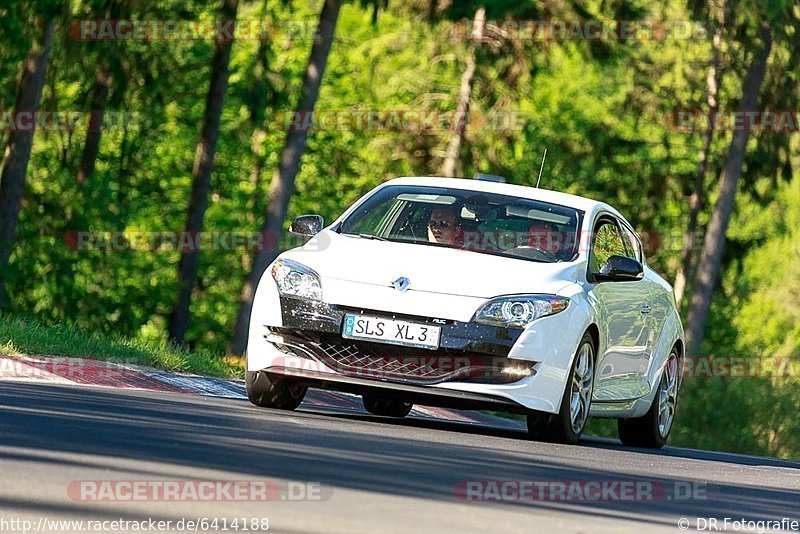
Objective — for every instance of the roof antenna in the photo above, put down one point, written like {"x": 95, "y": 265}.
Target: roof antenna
{"x": 541, "y": 168}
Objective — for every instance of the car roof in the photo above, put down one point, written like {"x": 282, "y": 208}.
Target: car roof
{"x": 545, "y": 195}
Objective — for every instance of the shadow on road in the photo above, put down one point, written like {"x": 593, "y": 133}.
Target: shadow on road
{"x": 427, "y": 459}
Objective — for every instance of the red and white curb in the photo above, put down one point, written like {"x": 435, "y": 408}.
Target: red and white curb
{"x": 97, "y": 373}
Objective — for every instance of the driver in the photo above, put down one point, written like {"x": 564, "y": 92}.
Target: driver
{"x": 444, "y": 226}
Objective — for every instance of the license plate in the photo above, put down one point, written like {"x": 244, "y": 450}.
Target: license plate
{"x": 391, "y": 331}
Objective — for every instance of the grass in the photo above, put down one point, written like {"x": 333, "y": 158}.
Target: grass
{"x": 19, "y": 336}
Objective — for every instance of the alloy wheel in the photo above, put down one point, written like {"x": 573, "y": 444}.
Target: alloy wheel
{"x": 668, "y": 395}
{"x": 580, "y": 397}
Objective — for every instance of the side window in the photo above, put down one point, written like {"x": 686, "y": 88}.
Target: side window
{"x": 607, "y": 241}
{"x": 632, "y": 243}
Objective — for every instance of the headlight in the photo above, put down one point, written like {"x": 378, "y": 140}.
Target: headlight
{"x": 296, "y": 280}
{"x": 519, "y": 310}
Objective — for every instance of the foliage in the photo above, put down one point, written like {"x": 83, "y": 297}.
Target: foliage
{"x": 601, "y": 109}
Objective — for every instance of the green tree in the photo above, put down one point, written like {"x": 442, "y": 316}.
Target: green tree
{"x": 714, "y": 243}
{"x": 282, "y": 184}
{"x": 201, "y": 173}
{"x": 15, "y": 166}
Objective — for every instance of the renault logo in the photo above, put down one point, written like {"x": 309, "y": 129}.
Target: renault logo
{"x": 401, "y": 284}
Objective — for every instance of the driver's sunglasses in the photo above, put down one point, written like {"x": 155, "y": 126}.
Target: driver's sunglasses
{"x": 439, "y": 224}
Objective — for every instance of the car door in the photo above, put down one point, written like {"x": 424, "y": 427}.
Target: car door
{"x": 661, "y": 303}
{"x": 623, "y": 318}
{"x": 656, "y": 308}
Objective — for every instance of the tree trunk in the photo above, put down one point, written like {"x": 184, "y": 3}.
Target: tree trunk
{"x": 696, "y": 201}
{"x": 432, "y": 7}
{"x": 91, "y": 147}
{"x": 282, "y": 185}
{"x": 201, "y": 177}
{"x": 257, "y": 139}
{"x": 18, "y": 151}
{"x": 451, "y": 159}
{"x": 714, "y": 242}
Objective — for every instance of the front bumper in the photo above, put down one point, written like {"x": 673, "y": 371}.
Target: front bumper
{"x": 468, "y": 352}
{"x": 303, "y": 339}
{"x": 424, "y": 395}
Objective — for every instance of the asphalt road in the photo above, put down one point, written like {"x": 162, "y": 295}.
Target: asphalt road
{"x": 367, "y": 474}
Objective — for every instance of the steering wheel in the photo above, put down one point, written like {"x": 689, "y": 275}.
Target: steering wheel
{"x": 535, "y": 253}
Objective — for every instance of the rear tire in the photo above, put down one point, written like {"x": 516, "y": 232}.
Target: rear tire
{"x": 653, "y": 428}
{"x": 568, "y": 424}
{"x": 270, "y": 391}
{"x": 386, "y": 407}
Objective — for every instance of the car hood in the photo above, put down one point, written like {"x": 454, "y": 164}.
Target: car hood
{"x": 429, "y": 268}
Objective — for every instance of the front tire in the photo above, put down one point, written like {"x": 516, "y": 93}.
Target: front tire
{"x": 653, "y": 428}
{"x": 568, "y": 424}
{"x": 386, "y": 407}
{"x": 269, "y": 391}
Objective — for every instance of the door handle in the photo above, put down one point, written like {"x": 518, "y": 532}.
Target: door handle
{"x": 645, "y": 308}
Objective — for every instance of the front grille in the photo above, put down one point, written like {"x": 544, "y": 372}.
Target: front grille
{"x": 395, "y": 363}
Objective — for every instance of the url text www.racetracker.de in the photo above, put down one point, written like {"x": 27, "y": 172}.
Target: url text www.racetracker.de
{"x": 185, "y": 524}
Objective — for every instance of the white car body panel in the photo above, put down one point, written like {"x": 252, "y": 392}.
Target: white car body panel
{"x": 452, "y": 284}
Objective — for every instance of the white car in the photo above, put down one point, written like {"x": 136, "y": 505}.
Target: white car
{"x": 476, "y": 295}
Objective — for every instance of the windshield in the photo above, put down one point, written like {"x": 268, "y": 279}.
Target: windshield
{"x": 468, "y": 220}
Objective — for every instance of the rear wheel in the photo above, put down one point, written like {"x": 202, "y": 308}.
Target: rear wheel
{"x": 270, "y": 391}
{"x": 653, "y": 428}
{"x": 386, "y": 407}
{"x": 567, "y": 425}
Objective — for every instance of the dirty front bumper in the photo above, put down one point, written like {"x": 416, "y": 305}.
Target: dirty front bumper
{"x": 468, "y": 352}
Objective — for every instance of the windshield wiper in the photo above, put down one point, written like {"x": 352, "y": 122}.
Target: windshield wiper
{"x": 370, "y": 236}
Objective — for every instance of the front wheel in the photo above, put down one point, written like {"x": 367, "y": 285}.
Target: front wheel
{"x": 269, "y": 391}
{"x": 567, "y": 425}
{"x": 653, "y": 428}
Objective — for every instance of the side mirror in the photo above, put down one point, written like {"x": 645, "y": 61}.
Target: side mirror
{"x": 307, "y": 225}
{"x": 620, "y": 269}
